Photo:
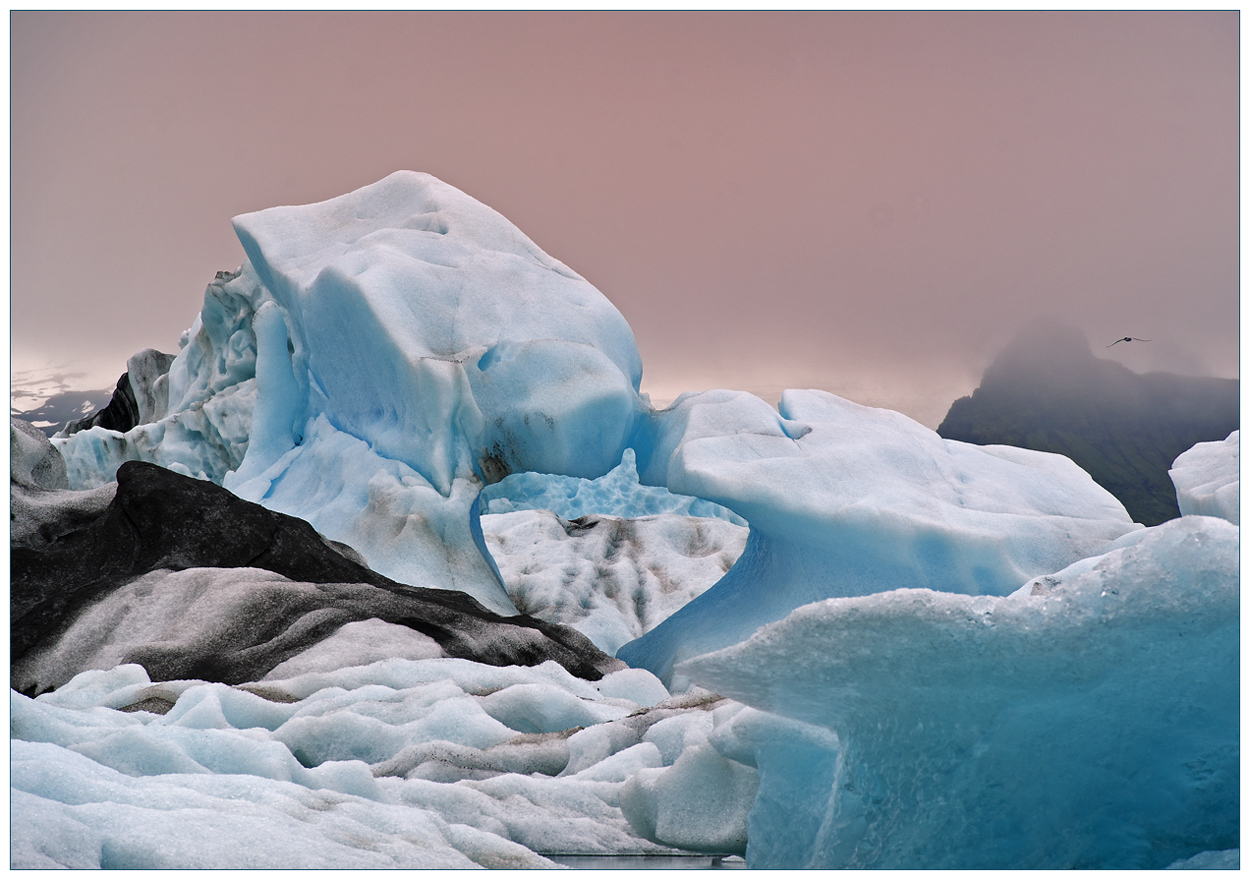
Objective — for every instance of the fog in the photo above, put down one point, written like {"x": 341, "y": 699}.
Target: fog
{"x": 869, "y": 203}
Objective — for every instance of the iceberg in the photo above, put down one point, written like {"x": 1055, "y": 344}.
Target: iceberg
{"x": 278, "y": 587}
{"x": 847, "y": 500}
{"x": 377, "y": 359}
{"x": 1088, "y": 720}
{"x": 1207, "y": 479}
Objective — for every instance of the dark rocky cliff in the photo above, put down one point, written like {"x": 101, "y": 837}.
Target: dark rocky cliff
{"x": 1047, "y": 391}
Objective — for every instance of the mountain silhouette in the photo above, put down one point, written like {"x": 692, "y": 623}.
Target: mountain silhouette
{"x": 1047, "y": 391}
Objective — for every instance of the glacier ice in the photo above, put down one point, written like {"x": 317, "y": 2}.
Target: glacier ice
{"x": 1090, "y": 719}
{"x": 430, "y": 327}
{"x": 209, "y": 393}
{"x": 405, "y": 370}
{"x": 377, "y": 359}
{"x": 400, "y": 763}
{"x": 1207, "y": 479}
{"x": 700, "y": 802}
{"x": 847, "y": 500}
{"x": 610, "y": 578}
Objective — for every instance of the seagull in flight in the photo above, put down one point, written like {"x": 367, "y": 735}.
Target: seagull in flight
{"x": 1130, "y": 339}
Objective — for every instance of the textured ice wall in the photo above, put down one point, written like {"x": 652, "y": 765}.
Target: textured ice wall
{"x": 847, "y": 500}
{"x": 1088, "y": 720}
{"x": 1208, "y": 480}
{"x": 379, "y": 357}
{"x": 209, "y": 394}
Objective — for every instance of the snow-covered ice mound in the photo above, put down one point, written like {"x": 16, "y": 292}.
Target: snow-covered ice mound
{"x": 610, "y": 578}
{"x": 1208, "y": 480}
{"x": 847, "y": 500}
{"x": 378, "y": 358}
{"x": 435, "y": 763}
{"x": 1088, "y": 720}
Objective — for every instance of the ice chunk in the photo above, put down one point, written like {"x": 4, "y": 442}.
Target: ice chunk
{"x": 798, "y": 766}
{"x": 209, "y": 394}
{"x": 623, "y": 765}
{"x": 611, "y": 579}
{"x": 700, "y": 803}
{"x": 1090, "y": 719}
{"x": 847, "y": 500}
{"x": 430, "y": 327}
{"x": 1207, "y": 479}
{"x": 43, "y": 835}
{"x": 224, "y": 821}
{"x": 543, "y": 708}
{"x": 677, "y": 733}
{"x": 636, "y": 685}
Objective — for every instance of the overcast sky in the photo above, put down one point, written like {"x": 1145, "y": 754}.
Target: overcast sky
{"x": 869, "y": 203}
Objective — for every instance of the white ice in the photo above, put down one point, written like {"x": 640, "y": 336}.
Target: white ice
{"x": 612, "y": 579}
{"x": 209, "y": 395}
{"x": 1207, "y": 479}
{"x": 401, "y": 763}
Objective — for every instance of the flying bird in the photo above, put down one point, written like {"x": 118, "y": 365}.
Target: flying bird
{"x": 1130, "y": 339}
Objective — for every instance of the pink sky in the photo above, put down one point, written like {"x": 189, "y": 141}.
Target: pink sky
{"x": 870, "y": 203}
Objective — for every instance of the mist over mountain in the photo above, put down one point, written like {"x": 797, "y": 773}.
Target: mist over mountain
{"x": 1048, "y": 391}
